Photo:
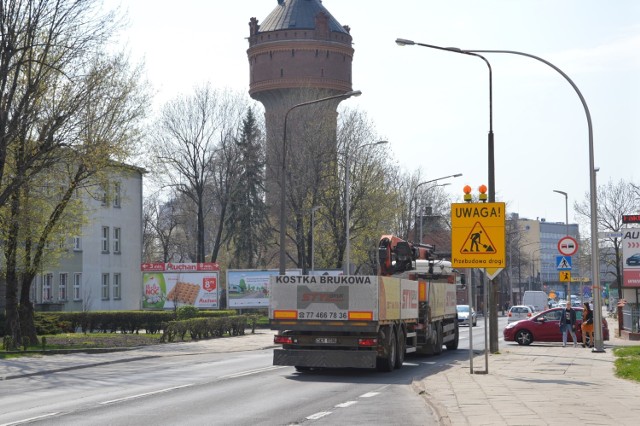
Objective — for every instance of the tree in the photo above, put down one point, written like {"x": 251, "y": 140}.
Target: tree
{"x": 614, "y": 200}
{"x": 67, "y": 110}
{"x": 248, "y": 221}
{"x": 193, "y": 153}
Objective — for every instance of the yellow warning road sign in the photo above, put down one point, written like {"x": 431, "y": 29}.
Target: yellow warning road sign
{"x": 565, "y": 276}
{"x": 477, "y": 235}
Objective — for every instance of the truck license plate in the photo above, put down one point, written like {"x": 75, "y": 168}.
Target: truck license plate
{"x": 326, "y": 340}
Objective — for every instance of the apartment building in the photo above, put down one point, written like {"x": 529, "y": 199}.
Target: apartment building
{"x": 101, "y": 271}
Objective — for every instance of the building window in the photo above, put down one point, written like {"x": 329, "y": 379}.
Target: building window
{"x": 116, "y": 194}
{"x": 77, "y": 244}
{"x": 103, "y": 196}
{"x": 116, "y": 240}
{"x": 77, "y": 280}
{"x": 105, "y": 286}
{"x": 116, "y": 286}
{"x": 105, "y": 239}
{"x": 62, "y": 287}
{"x": 47, "y": 288}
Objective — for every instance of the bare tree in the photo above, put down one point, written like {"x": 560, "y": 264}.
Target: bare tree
{"x": 192, "y": 145}
{"x": 614, "y": 200}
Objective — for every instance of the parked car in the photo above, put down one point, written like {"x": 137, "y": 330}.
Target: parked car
{"x": 519, "y": 312}
{"x": 633, "y": 260}
{"x": 463, "y": 315}
{"x": 545, "y": 327}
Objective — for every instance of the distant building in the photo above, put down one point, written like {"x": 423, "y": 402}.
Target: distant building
{"x": 102, "y": 271}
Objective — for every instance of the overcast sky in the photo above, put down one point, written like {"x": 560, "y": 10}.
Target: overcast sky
{"x": 433, "y": 106}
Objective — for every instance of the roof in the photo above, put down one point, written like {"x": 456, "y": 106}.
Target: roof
{"x": 298, "y": 14}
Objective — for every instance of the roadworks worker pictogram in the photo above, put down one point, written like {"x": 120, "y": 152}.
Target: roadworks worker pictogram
{"x": 478, "y": 242}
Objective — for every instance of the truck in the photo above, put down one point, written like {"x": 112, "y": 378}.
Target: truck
{"x": 538, "y": 299}
{"x": 367, "y": 321}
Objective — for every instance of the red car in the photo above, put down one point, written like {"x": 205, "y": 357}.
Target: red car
{"x": 545, "y": 327}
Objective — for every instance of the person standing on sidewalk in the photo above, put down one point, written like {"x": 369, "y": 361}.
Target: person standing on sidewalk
{"x": 587, "y": 325}
{"x": 568, "y": 324}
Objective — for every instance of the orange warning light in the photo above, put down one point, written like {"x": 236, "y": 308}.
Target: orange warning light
{"x": 467, "y": 193}
{"x": 482, "y": 189}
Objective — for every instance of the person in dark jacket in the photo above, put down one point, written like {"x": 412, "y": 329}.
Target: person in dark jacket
{"x": 568, "y": 324}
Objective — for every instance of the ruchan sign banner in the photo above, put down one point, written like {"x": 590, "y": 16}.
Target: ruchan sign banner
{"x": 171, "y": 285}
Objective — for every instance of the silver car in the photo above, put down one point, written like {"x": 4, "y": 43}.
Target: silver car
{"x": 463, "y": 315}
{"x": 519, "y": 312}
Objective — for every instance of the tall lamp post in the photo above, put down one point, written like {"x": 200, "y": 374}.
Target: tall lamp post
{"x": 347, "y": 251}
{"x": 595, "y": 266}
{"x": 493, "y": 294}
{"x": 424, "y": 183}
{"x": 283, "y": 176}
{"x": 566, "y": 221}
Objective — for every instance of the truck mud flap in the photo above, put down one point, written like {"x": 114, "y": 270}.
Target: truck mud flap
{"x": 324, "y": 359}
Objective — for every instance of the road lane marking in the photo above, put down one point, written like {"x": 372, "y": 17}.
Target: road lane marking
{"x": 250, "y": 372}
{"x": 319, "y": 415}
{"x": 369, "y": 394}
{"x": 346, "y": 404}
{"x": 142, "y": 395}
{"x": 23, "y": 421}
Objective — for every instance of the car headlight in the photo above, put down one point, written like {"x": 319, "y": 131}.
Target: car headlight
{"x": 511, "y": 325}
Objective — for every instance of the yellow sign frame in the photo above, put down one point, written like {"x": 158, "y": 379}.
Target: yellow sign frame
{"x": 478, "y": 235}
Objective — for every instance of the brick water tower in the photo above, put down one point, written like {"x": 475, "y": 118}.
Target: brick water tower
{"x": 299, "y": 53}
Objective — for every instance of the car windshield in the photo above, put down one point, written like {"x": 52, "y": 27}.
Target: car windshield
{"x": 463, "y": 308}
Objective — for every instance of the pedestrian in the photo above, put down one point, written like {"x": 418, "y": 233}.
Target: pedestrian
{"x": 568, "y": 324}
{"x": 587, "y": 325}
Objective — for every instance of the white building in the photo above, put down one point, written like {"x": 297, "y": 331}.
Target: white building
{"x": 103, "y": 271}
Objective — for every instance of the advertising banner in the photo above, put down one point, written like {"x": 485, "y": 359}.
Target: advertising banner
{"x": 190, "y": 285}
{"x": 631, "y": 257}
{"x": 249, "y": 288}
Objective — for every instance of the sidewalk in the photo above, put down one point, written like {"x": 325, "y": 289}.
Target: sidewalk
{"x": 540, "y": 384}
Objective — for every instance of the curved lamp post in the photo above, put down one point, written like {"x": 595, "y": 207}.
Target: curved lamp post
{"x": 595, "y": 266}
{"x": 416, "y": 190}
{"x": 347, "y": 251}
{"x": 283, "y": 178}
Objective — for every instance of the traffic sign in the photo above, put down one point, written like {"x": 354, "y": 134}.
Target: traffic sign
{"x": 565, "y": 277}
{"x": 567, "y": 246}
{"x": 478, "y": 235}
{"x": 563, "y": 263}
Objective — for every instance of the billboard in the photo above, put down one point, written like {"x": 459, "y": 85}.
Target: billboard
{"x": 170, "y": 285}
{"x": 249, "y": 288}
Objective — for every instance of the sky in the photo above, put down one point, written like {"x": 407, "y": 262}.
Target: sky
{"x": 433, "y": 106}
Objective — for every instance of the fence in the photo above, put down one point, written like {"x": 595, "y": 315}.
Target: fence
{"x": 631, "y": 317}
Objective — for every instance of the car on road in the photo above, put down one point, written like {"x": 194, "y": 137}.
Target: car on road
{"x": 545, "y": 327}
{"x": 463, "y": 315}
{"x": 519, "y": 312}
{"x": 633, "y": 260}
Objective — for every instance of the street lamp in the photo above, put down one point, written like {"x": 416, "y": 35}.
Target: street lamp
{"x": 595, "y": 266}
{"x": 283, "y": 179}
{"x": 422, "y": 209}
{"x": 416, "y": 192}
{"x": 313, "y": 238}
{"x": 566, "y": 208}
{"x": 491, "y": 165}
{"x": 347, "y": 252}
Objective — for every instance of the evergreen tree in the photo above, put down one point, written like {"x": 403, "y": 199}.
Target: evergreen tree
{"x": 248, "y": 222}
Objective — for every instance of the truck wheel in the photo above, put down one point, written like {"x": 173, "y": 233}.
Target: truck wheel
{"x": 452, "y": 345}
{"x": 386, "y": 364}
{"x": 401, "y": 348}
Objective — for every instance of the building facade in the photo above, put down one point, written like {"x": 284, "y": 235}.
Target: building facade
{"x": 101, "y": 271}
